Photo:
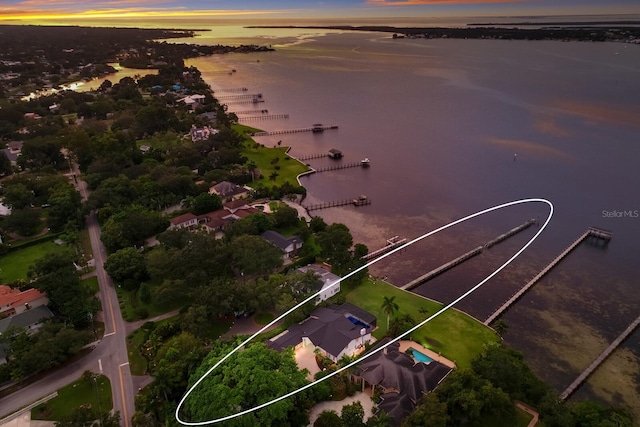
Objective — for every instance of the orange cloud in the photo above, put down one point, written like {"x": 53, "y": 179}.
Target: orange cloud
{"x": 427, "y": 2}
{"x": 626, "y": 115}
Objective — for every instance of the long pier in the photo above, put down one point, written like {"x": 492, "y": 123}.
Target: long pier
{"x": 263, "y": 111}
{"x": 462, "y": 258}
{"x": 314, "y": 129}
{"x": 359, "y": 201}
{"x": 591, "y": 232}
{"x": 510, "y": 233}
{"x": 448, "y": 266}
{"x": 342, "y": 166}
{"x": 246, "y": 101}
{"x": 264, "y": 117}
{"x": 312, "y": 156}
{"x": 598, "y": 361}
{"x": 392, "y": 242}
{"x": 243, "y": 96}
{"x": 231, "y": 90}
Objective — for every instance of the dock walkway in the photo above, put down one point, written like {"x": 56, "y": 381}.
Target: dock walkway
{"x": 392, "y": 243}
{"x": 242, "y": 96}
{"x": 445, "y": 267}
{"x": 591, "y": 232}
{"x": 462, "y": 258}
{"x": 263, "y": 117}
{"x": 358, "y": 201}
{"x": 601, "y": 358}
{"x": 314, "y": 129}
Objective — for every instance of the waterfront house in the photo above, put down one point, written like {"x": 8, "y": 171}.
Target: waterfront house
{"x": 328, "y": 283}
{"x": 192, "y": 101}
{"x": 229, "y": 191}
{"x": 333, "y": 331}
{"x": 400, "y": 378}
{"x": 288, "y": 245}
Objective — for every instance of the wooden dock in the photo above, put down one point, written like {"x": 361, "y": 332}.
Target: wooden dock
{"x": 358, "y": 201}
{"x": 263, "y": 111}
{"x": 342, "y": 166}
{"x": 510, "y": 233}
{"x": 314, "y": 129}
{"x": 438, "y": 271}
{"x": 601, "y": 358}
{"x": 462, "y": 258}
{"x": 242, "y": 96}
{"x": 591, "y": 232}
{"x": 263, "y": 117}
{"x": 246, "y": 101}
{"x": 231, "y": 90}
{"x": 392, "y": 243}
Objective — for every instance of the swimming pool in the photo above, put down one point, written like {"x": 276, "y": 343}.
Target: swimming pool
{"x": 358, "y": 322}
{"x": 420, "y": 357}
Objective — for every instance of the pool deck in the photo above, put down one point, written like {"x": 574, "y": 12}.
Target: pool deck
{"x": 404, "y": 345}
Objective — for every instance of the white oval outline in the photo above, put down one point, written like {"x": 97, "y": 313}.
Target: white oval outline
{"x": 419, "y": 325}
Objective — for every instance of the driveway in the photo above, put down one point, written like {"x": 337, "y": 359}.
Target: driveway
{"x": 306, "y": 359}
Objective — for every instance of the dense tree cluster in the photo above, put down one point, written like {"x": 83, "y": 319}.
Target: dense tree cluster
{"x": 487, "y": 392}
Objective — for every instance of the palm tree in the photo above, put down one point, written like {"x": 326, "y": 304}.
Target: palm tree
{"x": 389, "y": 307}
{"x": 500, "y": 327}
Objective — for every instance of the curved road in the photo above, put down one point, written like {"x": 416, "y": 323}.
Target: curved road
{"x": 110, "y": 355}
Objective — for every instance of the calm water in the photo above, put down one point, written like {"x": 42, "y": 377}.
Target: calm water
{"x": 441, "y": 121}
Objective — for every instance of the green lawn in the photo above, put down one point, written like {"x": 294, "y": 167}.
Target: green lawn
{"x": 453, "y": 334}
{"x": 263, "y": 157}
{"x": 73, "y": 396}
{"x": 523, "y": 418}
{"x": 137, "y": 363}
{"x": 92, "y": 283}
{"x": 15, "y": 265}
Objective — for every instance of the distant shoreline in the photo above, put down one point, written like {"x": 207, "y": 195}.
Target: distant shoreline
{"x": 609, "y": 33}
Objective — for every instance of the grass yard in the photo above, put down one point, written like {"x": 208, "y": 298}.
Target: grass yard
{"x": 137, "y": 363}
{"x": 92, "y": 283}
{"x": 15, "y": 265}
{"x": 264, "y": 159}
{"x": 453, "y": 334}
{"x": 76, "y": 394}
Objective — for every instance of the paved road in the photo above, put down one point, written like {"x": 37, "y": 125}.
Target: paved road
{"x": 116, "y": 362}
{"x": 110, "y": 355}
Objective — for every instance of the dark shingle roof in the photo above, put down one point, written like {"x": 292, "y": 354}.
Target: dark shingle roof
{"x": 26, "y": 318}
{"x": 279, "y": 240}
{"x": 326, "y": 328}
{"x": 228, "y": 189}
{"x": 357, "y": 312}
{"x": 397, "y": 406}
{"x": 392, "y": 369}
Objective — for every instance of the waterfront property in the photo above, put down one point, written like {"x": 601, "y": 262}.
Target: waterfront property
{"x": 401, "y": 378}
{"x": 229, "y": 191}
{"x": 333, "y": 331}
{"x": 327, "y": 283}
{"x": 288, "y": 245}
{"x": 454, "y": 334}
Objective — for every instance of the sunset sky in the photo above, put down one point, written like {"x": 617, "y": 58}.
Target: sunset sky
{"x": 36, "y": 10}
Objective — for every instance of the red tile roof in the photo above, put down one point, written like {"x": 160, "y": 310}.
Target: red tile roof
{"x": 16, "y": 298}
